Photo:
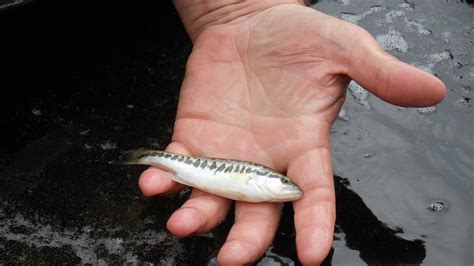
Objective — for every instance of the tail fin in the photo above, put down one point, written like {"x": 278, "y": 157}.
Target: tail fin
{"x": 133, "y": 157}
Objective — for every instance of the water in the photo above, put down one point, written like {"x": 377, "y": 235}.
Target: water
{"x": 419, "y": 176}
{"x": 404, "y": 175}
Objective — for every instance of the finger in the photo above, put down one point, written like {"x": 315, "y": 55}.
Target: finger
{"x": 155, "y": 181}
{"x": 200, "y": 213}
{"x": 251, "y": 235}
{"x": 315, "y": 212}
{"x": 387, "y": 77}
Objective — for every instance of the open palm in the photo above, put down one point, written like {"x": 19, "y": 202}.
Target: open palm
{"x": 267, "y": 89}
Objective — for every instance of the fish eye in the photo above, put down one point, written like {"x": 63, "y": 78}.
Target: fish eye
{"x": 285, "y": 181}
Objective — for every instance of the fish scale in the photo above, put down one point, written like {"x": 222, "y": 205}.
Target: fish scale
{"x": 233, "y": 179}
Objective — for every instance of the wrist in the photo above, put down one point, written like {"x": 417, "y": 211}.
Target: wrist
{"x": 197, "y": 15}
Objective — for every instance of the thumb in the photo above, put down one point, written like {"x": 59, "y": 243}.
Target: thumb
{"x": 390, "y": 79}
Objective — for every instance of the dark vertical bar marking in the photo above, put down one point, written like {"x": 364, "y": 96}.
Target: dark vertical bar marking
{"x": 213, "y": 166}
{"x": 229, "y": 168}
{"x": 221, "y": 167}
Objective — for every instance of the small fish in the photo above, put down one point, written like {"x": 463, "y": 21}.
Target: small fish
{"x": 233, "y": 179}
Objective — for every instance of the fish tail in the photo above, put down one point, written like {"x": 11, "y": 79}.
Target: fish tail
{"x": 137, "y": 156}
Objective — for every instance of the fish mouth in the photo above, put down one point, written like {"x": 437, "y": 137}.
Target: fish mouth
{"x": 290, "y": 195}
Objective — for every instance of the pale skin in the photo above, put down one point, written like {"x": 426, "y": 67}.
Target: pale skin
{"x": 264, "y": 83}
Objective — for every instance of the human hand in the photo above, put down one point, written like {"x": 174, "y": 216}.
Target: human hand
{"x": 265, "y": 83}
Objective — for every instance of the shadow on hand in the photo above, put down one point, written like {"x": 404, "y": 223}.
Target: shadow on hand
{"x": 376, "y": 242}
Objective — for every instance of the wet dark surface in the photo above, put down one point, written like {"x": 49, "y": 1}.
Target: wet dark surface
{"x": 84, "y": 81}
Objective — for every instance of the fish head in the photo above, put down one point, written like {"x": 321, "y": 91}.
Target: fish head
{"x": 280, "y": 188}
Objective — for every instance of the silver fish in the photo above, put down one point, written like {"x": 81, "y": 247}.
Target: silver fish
{"x": 233, "y": 179}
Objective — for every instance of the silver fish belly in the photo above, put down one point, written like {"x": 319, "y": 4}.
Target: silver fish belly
{"x": 233, "y": 179}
